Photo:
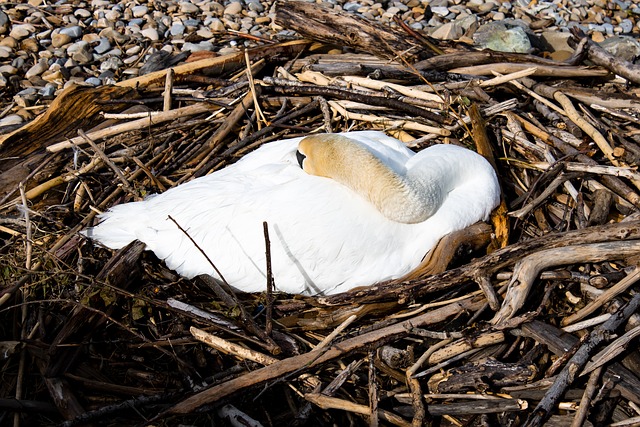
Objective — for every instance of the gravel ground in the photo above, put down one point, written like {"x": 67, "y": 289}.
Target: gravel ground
{"x": 46, "y": 46}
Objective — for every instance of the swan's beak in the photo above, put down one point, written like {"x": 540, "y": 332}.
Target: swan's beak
{"x": 300, "y": 158}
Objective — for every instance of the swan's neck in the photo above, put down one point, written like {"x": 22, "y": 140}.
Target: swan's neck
{"x": 399, "y": 198}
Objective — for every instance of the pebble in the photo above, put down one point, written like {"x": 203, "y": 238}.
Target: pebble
{"x": 103, "y": 46}
{"x": 98, "y": 42}
{"x": 40, "y": 67}
{"x": 93, "y": 81}
{"x": 233, "y": 8}
{"x": 139, "y": 11}
{"x": 449, "y": 31}
{"x": 11, "y": 120}
{"x": 80, "y": 52}
{"x": 74, "y": 31}
{"x": 59, "y": 39}
{"x": 151, "y": 34}
{"x": 19, "y": 32}
{"x": 48, "y": 91}
{"x": 188, "y": 7}
{"x": 177, "y": 29}
{"x": 5, "y": 52}
{"x": 8, "y": 69}
{"x": 112, "y": 63}
{"x": 4, "y": 22}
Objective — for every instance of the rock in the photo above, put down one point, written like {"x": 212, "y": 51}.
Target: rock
{"x": 5, "y": 52}
{"x": 112, "y": 15}
{"x": 188, "y": 7}
{"x": 217, "y": 25}
{"x": 498, "y": 16}
{"x": 82, "y": 13}
{"x": 91, "y": 38}
{"x": 80, "y": 52}
{"x": 9, "y": 42}
{"x": 440, "y": 10}
{"x": 103, "y": 46}
{"x": 196, "y": 47}
{"x": 53, "y": 76}
{"x": 59, "y": 40}
{"x": 74, "y": 31}
{"x": 131, "y": 59}
{"x": 93, "y": 81}
{"x": 38, "y": 68}
{"x": 622, "y": 47}
{"x": 11, "y": 120}
{"x": 8, "y": 69}
{"x": 48, "y": 91}
{"x": 597, "y": 37}
{"x": 4, "y": 22}
{"x": 233, "y": 8}
{"x": 449, "y": 31}
{"x": 468, "y": 23}
{"x": 139, "y": 11}
{"x": 556, "y": 43}
{"x": 191, "y": 24}
{"x": 112, "y": 63}
{"x": 351, "y": 7}
{"x": 22, "y": 31}
{"x": 26, "y": 97}
{"x": 133, "y": 50}
{"x": 205, "y": 33}
{"x": 177, "y": 29}
{"x": 30, "y": 45}
{"x": 626, "y": 26}
{"x": 114, "y": 36}
{"x": 151, "y": 34}
{"x": 496, "y": 36}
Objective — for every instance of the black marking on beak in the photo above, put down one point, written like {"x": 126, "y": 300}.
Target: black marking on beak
{"x": 300, "y": 157}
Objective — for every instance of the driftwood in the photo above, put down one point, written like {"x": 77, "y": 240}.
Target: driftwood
{"x": 471, "y": 336}
{"x": 336, "y": 27}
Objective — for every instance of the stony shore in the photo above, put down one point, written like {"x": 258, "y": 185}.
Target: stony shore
{"x": 45, "y": 47}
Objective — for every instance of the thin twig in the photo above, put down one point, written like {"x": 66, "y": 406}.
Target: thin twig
{"x": 168, "y": 90}
{"x": 270, "y": 282}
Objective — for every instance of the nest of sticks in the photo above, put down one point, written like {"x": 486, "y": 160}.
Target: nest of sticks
{"x": 530, "y": 318}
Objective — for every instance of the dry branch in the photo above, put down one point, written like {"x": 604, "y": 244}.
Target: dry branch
{"x": 327, "y": 24}
{"x": 313, "y": 358}
{"x": 543, "y": 411}
{"x": 573, "y": 237}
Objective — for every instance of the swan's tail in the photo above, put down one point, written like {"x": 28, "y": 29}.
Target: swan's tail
{"x": 119, "y": 226}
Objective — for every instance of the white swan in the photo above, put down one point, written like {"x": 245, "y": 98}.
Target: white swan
{"x": 362, "y": 209}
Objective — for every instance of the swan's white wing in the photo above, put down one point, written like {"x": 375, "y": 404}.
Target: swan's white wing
{"x": 320, "y": 233}
{"x": 324, "y": 237}
{"x": 392, "y": 152}
{"x": 469, "y": 181}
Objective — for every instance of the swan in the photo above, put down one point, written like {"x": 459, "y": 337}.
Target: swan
{"x": 343, "y": 210}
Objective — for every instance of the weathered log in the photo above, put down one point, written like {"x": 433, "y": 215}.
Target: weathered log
{"x": 319, "y": 22}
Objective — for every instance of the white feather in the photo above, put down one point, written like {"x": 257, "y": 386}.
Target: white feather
{"x": 324, "y": 238}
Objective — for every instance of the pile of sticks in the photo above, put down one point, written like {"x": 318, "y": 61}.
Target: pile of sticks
{"x": 540, "y": 324}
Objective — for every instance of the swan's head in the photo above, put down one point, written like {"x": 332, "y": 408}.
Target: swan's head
{"x": 317, "y": 154}
{"x": 351, "y": 164}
